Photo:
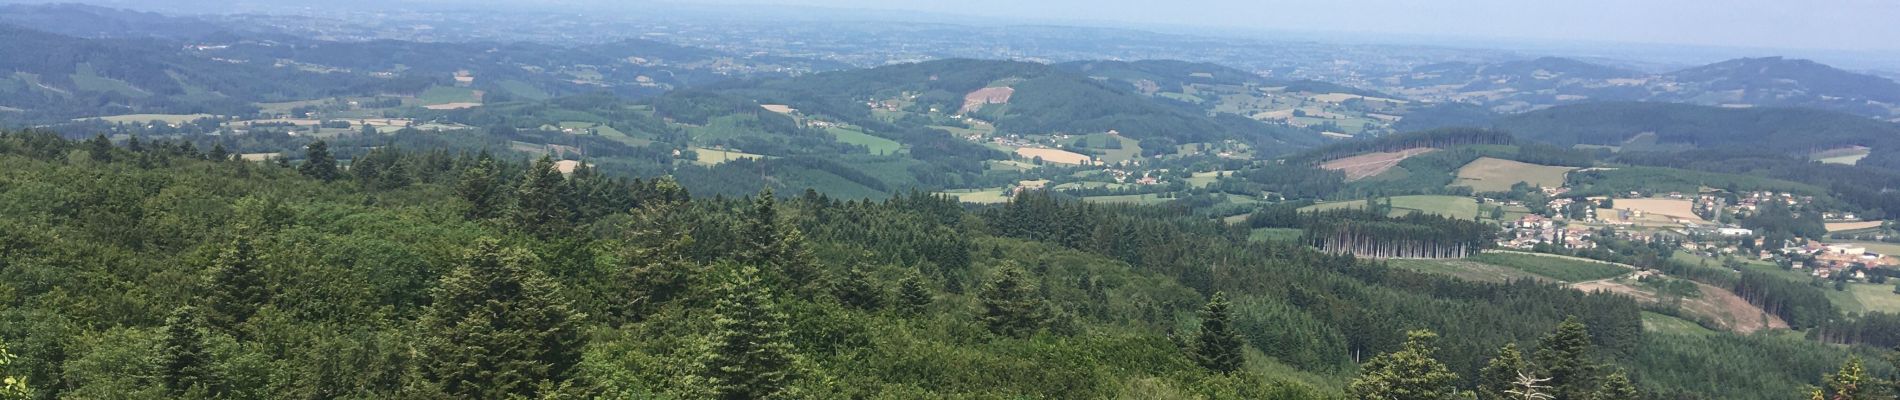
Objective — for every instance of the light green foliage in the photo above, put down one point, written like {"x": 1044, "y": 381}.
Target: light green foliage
{"x": 751, "y": 357}
{"x": 1501, "y": 373}
{"x": 12, "y": 387}
{"x": 502, "y": 328}
{"x": 1408, "y": 374}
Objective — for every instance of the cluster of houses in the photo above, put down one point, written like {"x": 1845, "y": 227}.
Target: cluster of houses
{"x": 1531, "y": 230}
{"x": 1824, "y": 260}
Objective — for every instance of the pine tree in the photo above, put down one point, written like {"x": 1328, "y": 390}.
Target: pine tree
{"x": 751, "y": 355}
{"x": 1218, "y": 347}
{"x": 1011, "y": 304}
{"x": 541, "y": 203}
{"x": 498, "y": 328}
{"x": 912, "y": 296}
{"x": 1564, "y": 357}
{"x": 1500, "y": 374}
{"x": 1408, "y": 374}
{"x": 318, "y": 163}
{"x": 1617, "y": 386}
{"x": 236, "y": 287}
{"x": 480, "y": 186}
{"x": 186, "y": 365}
{"x": 857, "y": 290}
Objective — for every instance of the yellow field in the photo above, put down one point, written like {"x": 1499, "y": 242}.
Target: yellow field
{"x": 166, "y": 118}
{"x": 1849, "y": 226}
{"x": 778, "y": 108}
{"x": 1682, "y": 209}
{"x": 1488, "y": 174}
{"x": 1053, "y": 155}
{"x": 715, "y": 157}
{"x": 259, "y": 156}
{"x": 979, "y": 196}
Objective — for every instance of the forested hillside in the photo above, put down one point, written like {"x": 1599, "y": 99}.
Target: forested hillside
{"x": 151, "y": 270}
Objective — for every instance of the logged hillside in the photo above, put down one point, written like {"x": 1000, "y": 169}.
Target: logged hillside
{"x": 411, "y": 272}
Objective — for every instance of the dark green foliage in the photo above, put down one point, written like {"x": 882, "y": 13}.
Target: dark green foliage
{"x": 186, "y": 365}
{"x": 1682, "y": 127}
{"x": 1617, "y": 386}
{"x": 1411, "y": 373}
{"x": 236, "y": 287}
{"x": 912, "y": 296}
{"x": 500, "y": 327}
{"x": 1502, "y": 372}
{"x": 1218, "y": 346}
{"x": 1011, "y": 304}
{"x": 857, "y": 289}
{"x": 1564, "y": 356}
{"x": 480, "y": 186}
{"x": 540, "y": 202}
{"x": 751, "y": 356}
{"x": 1798, "y": 303}
{"x": 318, "y": 163}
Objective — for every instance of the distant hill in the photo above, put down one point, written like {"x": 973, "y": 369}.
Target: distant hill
{"x": 88, "y": 21}
{"x": 1528, "y": 85}
{"x": 1662, "y": 126}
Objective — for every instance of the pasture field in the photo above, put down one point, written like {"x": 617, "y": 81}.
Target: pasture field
{"x": 165, "y": 118}
{"x": 1053, "y": 155}
{"x": 1275, "y": 234}
{"x": 1683, "y": 209}
{"x": 1202, "y": 179}
{"x": 1847, "y": 156}
{"x": 1366, "y": 165}
{"x": 1558, "y": 268}
{"x": 877, "y": 145}
{"x": 716, "y": 157}
{"x": 978, "y": 196}
{"x": 1874, "y": 297}
{"x": 1130, "y": 148}
{"x": 1488, "y": 174}
{"x": 441, "y": 95}
{"x": 1128, "y": 199}
{"x": 1465, "y": 269}
{"x": 1451, "y": 206}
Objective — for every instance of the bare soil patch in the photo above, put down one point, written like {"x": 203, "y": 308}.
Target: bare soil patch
{"x": 1367, "y": 165}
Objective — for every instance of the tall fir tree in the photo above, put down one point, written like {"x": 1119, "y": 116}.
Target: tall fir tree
{"x": 856, "y": 289}
{"x": 778, "y": 248}
{"x": 1500, "y": 374}
{"x": 541, "y": 207}
{"x": 499, "y": 328}
{"x": 1011, "y": 304}
{"x": 1408, "y": 374}
{"x": 1218, "y": 348}
{"x": 218, "y": 153}
{"x": 653, "y": 250}
{"x": 1617, "y": 386}
{"x": 1564, "y": 358}
{"x": 912, "y": 296}
{"x": 318, "y": 163}
{"x": 100, "y": 148}
{"x": 480, "y": 186}
{"x": 751, "y": 355}
{"x": 236, "y": 287}
{"x": 186, "y": 366}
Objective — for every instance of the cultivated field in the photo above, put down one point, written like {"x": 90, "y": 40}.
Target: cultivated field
{"x": 1682, "y": 209}
{"x": 452, "y": 106}
{"x": 1342, "y": 97}
{"x": 778, "y": 108}
{"x": 1451, "y": 206}
{"x": 1053, "y": 155}
{"x": 989, "y": 95}
{"x": 1366, "y": 165}
{"x": 1488, "y": 174}
{"x": 166, "y": 118}
{"x": 1851, "y": 226}
{"x": 1848, "y": 155}
{"x": 978, "y": 196}
{"x": 715, "y": 157}
{"x": 877, "y": 145}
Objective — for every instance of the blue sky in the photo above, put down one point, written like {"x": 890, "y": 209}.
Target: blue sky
{"x": 1797, "y": 24}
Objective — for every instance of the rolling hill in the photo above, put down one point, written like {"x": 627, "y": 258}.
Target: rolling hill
{"x": 1527, "y": 85}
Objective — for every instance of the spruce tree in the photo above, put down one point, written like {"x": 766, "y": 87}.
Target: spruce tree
{"x": 498, "y": 328}
{"x": 751, "y": 355}
{"x": 318, "y": 163}
{"x": 1408, "y": 374}
{"x": 1501, "y": 373}
{"x": 541, "y": 202}
{"x": 912, "y": 296}
{"x": 185, "y": 364}
{"x": 776, "y": 247}
{"x": 100, "y": 148}
{"x": 480, "y": 186}
{"x": 1011, "y": 304}
{"x": 857, "y": 290}
{"x": 1617, "y": 386}
{"x": 1564, "y": 357}
{"x": 1218, "y": 347}
{"x": 236, "y": 286}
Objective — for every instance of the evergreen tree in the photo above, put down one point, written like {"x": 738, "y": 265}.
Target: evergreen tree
{"x": 236, "y": 288}
{"x": 1218, "y": 347}
{"x": 318, "y": 163}
{"x": 1563, "y": 356}
{"x": 218, "y": 153}
{"x": 1850, "y": 383}
{"x": 751, "y": 356}
{"x": 1408, "y": 374}
{"x": 1501, "y": 373}
{"x": 657, "y": 270}
{"x": 186, "y": 365}
{"x": 1011, "y": 304}
{"x": 912, "y": 296}
{"x": 480, "y": 186}
{"x": 541, "y": 203}
{"x": 857, "y": 290}
{"x": 778, "y": 248}
{"x": 498, "y": 328}
{"x": 100, "y": 148}
{"x": 1617, "y": 386}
